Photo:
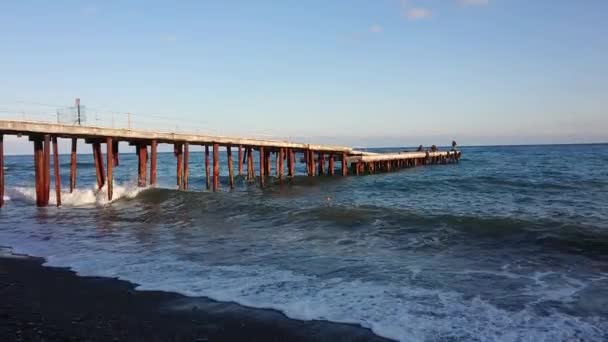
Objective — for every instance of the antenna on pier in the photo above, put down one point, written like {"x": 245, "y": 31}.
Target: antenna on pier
{"x": 73, "y": 115}
{"x": 78, "y": 110}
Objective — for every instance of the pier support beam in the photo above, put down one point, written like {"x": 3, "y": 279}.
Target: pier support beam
{"x": 47, "y": 168}
{"x": 153, "y": 158}
{"x": 306, "y": 157}
{"x": 310, "y": 162}
{"x": 267, "y": 165}
{"x": 186, "y": 168}
{"x": 57, "y": 174}
{"x": 281, "y": 164}
{"x": 207, "y": 169}
{"x": 359, "y": 167}
{"x": 245, "y": 161}
{"x": 39, "y": 171}
{"x": 111, "y": 160}
{"x": 1, "y": 170}
{"x": 142, "y": 152}
{"x": 276, "y": 164}
{"x": 42, "y": 162}
{"x": 331, "y": 165}
{"x": 262, "y": 166}
{"x": 229, "y": 155}
{"x": 290, "y": 162}
{"x": 178, "y": 152}
{"x": 216, "y": 167}
{"x": 344, "y": 165}
{"x": 115, "y": 153}
{"x": 321, "y": 162}
{"x": 240, "y": 160}
{"x": 250, "y": 164}
{"x": 73, "y": 166}
{"x": 98, "y": 158}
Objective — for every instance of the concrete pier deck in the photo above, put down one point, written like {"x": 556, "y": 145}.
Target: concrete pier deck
{"x": 368, "y": 157}
{"x": 92, "y": 132}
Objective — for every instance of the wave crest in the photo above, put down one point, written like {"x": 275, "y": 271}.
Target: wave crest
{"x": 80, "y": 197}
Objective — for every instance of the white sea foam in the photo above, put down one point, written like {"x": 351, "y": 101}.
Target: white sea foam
{"x": 541, "y": 286}
{"x": 80, "y": 197}
{"x": 398, "y": 311}
{"x": 563, "y": 290}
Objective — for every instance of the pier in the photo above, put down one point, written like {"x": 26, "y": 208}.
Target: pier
{"x": 320, "y": 159}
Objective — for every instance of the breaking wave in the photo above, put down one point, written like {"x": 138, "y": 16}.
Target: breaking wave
{"x": 80, "y": 197}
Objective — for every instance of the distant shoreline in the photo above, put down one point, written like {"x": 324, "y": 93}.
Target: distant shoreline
{"x": 54, "y": 304}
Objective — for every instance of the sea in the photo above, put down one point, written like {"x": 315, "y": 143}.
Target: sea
{"x": 510, "y": 244}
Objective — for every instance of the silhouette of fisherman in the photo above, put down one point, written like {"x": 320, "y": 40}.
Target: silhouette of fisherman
{"x": 433, "y": 148}
{"x": 420, "y": 148}
{"x": 453, "y": 145}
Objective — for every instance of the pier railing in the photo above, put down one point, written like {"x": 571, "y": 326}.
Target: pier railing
{"x": 133, "y": 121}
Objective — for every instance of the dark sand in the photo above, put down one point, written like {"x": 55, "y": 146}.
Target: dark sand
{"x": 51, "y": 304}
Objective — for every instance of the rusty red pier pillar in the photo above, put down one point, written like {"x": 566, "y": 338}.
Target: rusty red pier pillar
{"x": 321, "y": 162}
{"x": 98, "y": 158}
{"x": 73, "y": 166}
{"x": 186, "y": 167}
{"x": 250, "y": 164}
{"x": 229, "y": 155}
{"x": 290, "y": 162}
{"x": 240, "y": 160}
{"x": 178, "y": 152}
{"x": 47, "y": 168}
{"x": 207, "y": 170}
{"x": 57, "y": 174}
{"x": 262, "y": 166}
{"x": 153, "y": 158}
{"x": 115, "y": 152}
{"x": 216, "y": 167}
{"x": 38, "y": 170}
{"x": 142, "y": 153}
{"x": 110, "y": 160}
{"x": 281, "y": 164}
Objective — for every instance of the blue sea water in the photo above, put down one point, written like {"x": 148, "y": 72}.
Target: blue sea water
{"x": 511, "y": 244}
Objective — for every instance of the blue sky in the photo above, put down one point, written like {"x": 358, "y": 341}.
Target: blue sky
{"x": 358, "y": 72}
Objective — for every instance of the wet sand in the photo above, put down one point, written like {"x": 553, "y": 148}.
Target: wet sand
{"x": 52, "y": 304}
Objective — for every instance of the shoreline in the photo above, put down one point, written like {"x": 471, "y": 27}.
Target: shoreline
{"x": 42, "y": 303}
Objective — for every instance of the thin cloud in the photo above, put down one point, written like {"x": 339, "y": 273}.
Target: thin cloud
{"x": 352, "y": 38}
{"x": 376, "y": 28}
{"x": 168, "y": 38}
{"x": 90, "y": 10}
{"x": 473, "y": 2}
{"x": 418, "y": 13}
